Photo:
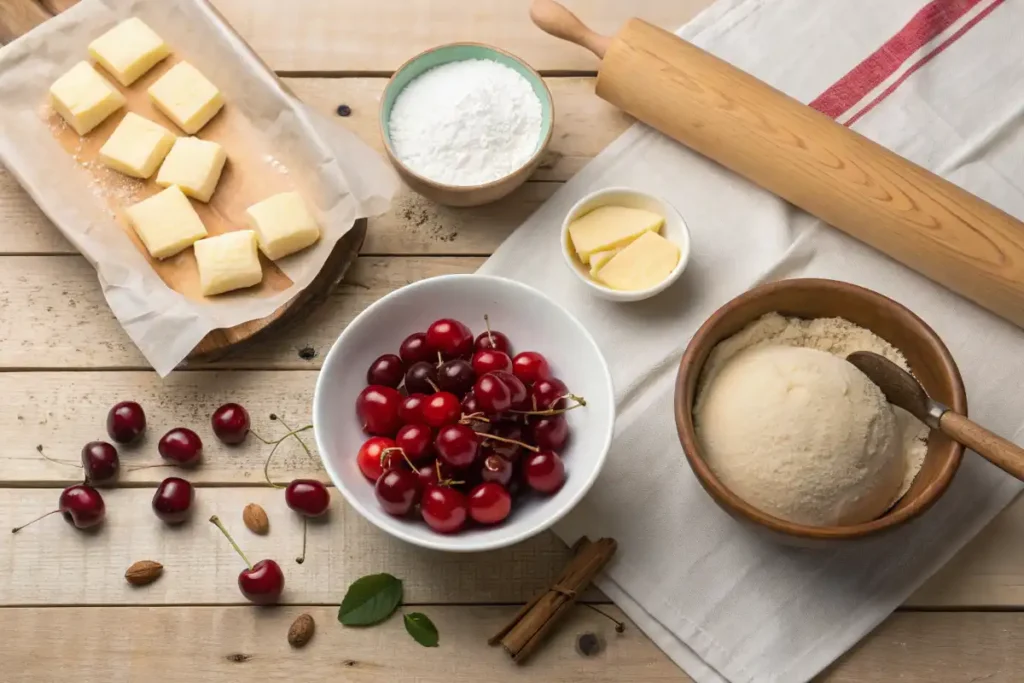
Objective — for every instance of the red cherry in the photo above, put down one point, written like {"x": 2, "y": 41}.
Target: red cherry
{"x": 181, "y": 446}
{"x": 173, "y": 500}
{"x": 230, "y": 423}
{"x": 495, "y": 468}
{"x": 377, "y": 409}
{"x": 411, "y": 408}
{"x": 456, "y": 376}
{"x": 489, "y": 360}
{"x": 548, "y": 394}
{"x": 549, "y": 432}
{"x": 421, "y": 378}
{"x": 450, "y": 337}
{"x": 397, "y": 490}
{"x": 516, "y": 388}
{"x": 100, "y": 462}
{"x": 489, "y": 503}
{"x": 416, "y": 441}
{"x": 81, "y": 505}
{"x": 387, "y": 370}
{"x": 470, "y": 406}
{"x": 492, "y": 394}
{"x": 415, "y": 349}
{"x": 492, "y": 340}
{"x": 369, "y": 457}
{"x": 427, "y": 474}
{"x": 507, "y": 430}
{"x": 530, "y": 367}
{"x": 544, "y": 471}
{"x": 444, "y": 509}
{"x": 263, "y": 584}
{"x": 126, "y": 422}
{"x": 308, "y": 497}
{"x": 457, "y": 445}
{"x": 442, "y": 409}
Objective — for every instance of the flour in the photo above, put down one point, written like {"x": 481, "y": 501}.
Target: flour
{"x": 466, "y": 123}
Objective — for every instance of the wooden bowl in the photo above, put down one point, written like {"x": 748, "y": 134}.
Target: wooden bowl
{"x": 929, "y": 360}
{"x": 465, "y": 195}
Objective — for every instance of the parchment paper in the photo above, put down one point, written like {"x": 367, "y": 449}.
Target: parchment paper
{"x": 338, "y": 174}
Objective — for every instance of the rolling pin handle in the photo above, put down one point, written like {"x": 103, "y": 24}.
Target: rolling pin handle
{"x": 552, "y": 17}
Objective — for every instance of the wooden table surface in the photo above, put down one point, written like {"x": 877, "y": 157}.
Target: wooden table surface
{"x": 66, "y": 609}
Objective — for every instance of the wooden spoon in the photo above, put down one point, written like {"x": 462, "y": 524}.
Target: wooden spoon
{"x": 901, "y": 389}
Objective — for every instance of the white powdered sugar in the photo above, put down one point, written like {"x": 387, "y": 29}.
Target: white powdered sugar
{"x": 466, "y": 123}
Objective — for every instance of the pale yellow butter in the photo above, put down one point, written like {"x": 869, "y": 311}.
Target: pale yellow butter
{"x": 599, "y": 258}
{"x": 129, "y": 50}
{"x": 84, "y": 98}
{"x": 228, "y": 262}
{"x": 643, "y": 263}
{"x": 195, "y": 166}
{"x": 283, "y": 224}
{"x": 186, "y": 97}
{"x": 610, "y": 227}
{"x": 166, "y": 223}
{"x": 137, "y": 146}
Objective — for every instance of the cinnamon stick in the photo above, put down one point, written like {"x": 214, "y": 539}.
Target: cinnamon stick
{"x": 531, "y": 624}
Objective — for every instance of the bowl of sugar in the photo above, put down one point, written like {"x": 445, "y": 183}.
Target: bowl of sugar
{"x": 465, "y": 124}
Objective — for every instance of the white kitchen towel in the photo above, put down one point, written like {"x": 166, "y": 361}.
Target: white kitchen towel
{"x": 941, "y": 83}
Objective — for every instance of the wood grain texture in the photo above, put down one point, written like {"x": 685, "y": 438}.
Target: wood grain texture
{"x": 1002, "y": 453}
{"x": 18, "y": 17}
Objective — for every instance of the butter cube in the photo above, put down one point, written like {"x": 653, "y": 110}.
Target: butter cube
{"x": 229, "y": 261}
{"x": 642, "y": 264}
{"x": 137, "y": 146}
{"x": 599, "y": 258}
{"x": 194, "y": 165}
{"x": 129, "y": 50}
{"x": 610, "y": 227}
{"x": 186, "y": 97}
{"x": 84, "y": 98}
{"x": 166, "y": 223}
{"x": 283, "y": 224}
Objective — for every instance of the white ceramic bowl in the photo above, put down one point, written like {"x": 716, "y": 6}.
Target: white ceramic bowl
{"x": 674, "y": 230}
{"x": 533, "y": 322}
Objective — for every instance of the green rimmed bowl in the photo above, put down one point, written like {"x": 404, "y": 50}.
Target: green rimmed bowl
{"x": 465, "y": 195}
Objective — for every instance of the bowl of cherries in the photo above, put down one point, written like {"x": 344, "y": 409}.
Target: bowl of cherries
{"x": 464, "y": 412}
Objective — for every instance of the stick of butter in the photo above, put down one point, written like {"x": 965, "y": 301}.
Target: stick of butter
{"x": 642, "y": 264}
{"x": 84, "y": 98}
{"x": 129, "y": 50}
{"x": 228, "y": 262}
{"x": 166, "y": 223}
{"x": 610, "y": 227}
{"x": 137, "y": 146}
{"x": 283, "y": 224}
{"x": 186, "y": 97}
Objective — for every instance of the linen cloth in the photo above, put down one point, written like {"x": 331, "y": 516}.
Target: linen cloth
{"x": 722, "y": 602}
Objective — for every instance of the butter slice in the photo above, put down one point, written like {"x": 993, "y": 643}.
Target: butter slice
{"x": 166, "y": 223}
{"x": 186, "y": 97}
{"x": 84, "y": 98}
{"x": 644, "y": 263}
{"x": 599, "y": 258}
{"x": 228, "y": 262}
{"x": 137, "y": 146}
{"x": 283, "y": 224}
{"x": 194, "y": 165}
{"x": 129, "y": 50}
{"x": 610, "y": 227}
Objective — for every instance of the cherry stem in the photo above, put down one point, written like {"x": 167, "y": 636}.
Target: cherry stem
{"x": 580, "y": 402}
{"x": 527, "y": 446}
{"x": 302, "y": 558}
{"x": 473, "y": 416}
{"x": 432, "y": 385}
{"x": 266, "y": 465}
{"x": 69, "y": 463}
{"x": 19, "y": 528}
{"x": 384, "y": 454}
{"x": 487, "y": 326}
{"x": 147, "y": 467}
{"x": 295, "y": 433}
{"x": 440, "y": 360}
{"x": 260, "y": 438}
{"x": 619, "y": 626}
{"x": 217, "y": 523}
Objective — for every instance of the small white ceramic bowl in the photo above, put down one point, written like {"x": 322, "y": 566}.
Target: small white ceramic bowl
{"x": 533, "y": 322}
{"x": 674, "y": 230}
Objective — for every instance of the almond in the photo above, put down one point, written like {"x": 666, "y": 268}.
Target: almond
{"x": 143, "y": 572}
{"x": 255, "y": 519}
{"x": 301, "y": 631}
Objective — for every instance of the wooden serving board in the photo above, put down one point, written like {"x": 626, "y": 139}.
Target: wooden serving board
{"x": 247, "y": 178}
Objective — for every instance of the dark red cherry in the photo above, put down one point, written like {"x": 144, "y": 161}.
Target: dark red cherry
{"x": 450, "y": 337}
{"x": 548, "y": 393}
{"x": 415, "y": 349}
{"x": 456, "y": 376}
{"x": 549, "y": 432}
{"x": 181, "y": 446}
{"x": 421, "y": 378}
{"x": 411, "y": 408}
{"x": 489, "y": 503}
{"x": 173, "y": 500}
{"x": 416, "y": 441}
{"x": 387, "y": 371}
{"x": 397, "y": 491}
{"x": 492, "y": 395}
{"x": 427, "y": 474}
{"x": 495, "y": 468}
{"x": 544, "y": 471}
{"x": 489, "y": 360}
{"x": 492, "y": 340}
{"x": 442, "y": 409}
{"x": 82, "y": 505}
{"x": 530, "y": 367}
{"x": 377, "y": 409}
{"x": 369, "y": 457}
{"x": 444, "y": 509}
{"x": 457, "y": 445}
{"x": 517, "y": 390}
{"x": 471, "y": 407}
{"x": 308, "y": 497}
{"x": 507, "y": 430}
{"x": 263, "y": 584}
{"x": 100, "y": 462}
{"x": 126, "y": 422}
{"x": 230, "y": 423}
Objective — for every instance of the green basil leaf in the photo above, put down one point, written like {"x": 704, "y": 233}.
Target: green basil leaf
{"x": 421, "y": 629}
{"x": 370, "y": 600}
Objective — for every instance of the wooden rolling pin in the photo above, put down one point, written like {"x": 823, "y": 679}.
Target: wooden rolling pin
{"x": 828, "y": 170}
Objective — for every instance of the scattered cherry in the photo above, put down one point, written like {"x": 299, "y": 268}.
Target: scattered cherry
{"x": 377, "y": 408}
{"x": 126, "y": 422}
{"x": 457, "y": 445}
{"x": 516, "y": 388}
{"x": 544, "y": 471}
{"x": 496, "y": 468}
{"x": 450, "y": 337}
{"x": 308, "y": 497}
{"x": 415, "y": 349}
{"x": 421, "y": 378}
{"x": 181, "y": 446}
{"x": 80, "y": 505}
{"x": 100, "y": 462}
{"x": 411, "y": 408}
{"x": 530, "y": 367}
{"x": 442, "y": 409}
{"x": 489, "y": 503}
{"x": 173, "y": 500}
{"x": 416, "y": 441}
{"x": 397, "y": 490}
{"x": 444, "y": 509}
{"x": 230, "y": 423}
{"x": 489, "y": 340}
{"x": 492, "y": 394}
{"x": 548, "y": 394}
{"x": 260, "y": 583}
{"x": 456, "y": 376}
{"x": 369, "y": 457}
{"x": 387, "y": 371}
{"x": 549, "y": 432}
{"x": 490, "y": 360}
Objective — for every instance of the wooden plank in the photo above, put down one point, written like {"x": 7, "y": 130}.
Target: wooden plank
{"x": 18, "y": 17}
{"x": 234, "y": 643}
{"x": 349, "y": 36}
{"x": 63, "y": 320}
